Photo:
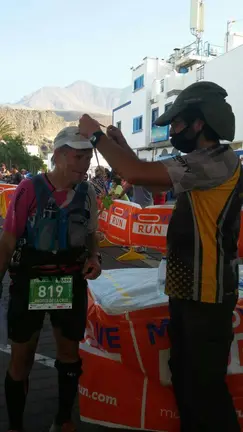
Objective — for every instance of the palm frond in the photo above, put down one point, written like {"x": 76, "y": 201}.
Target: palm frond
{"x": 5, "y": 127}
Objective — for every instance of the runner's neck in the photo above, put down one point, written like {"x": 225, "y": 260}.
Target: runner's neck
{"x": 59, "y": 181}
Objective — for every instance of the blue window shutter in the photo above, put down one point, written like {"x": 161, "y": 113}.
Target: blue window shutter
{"x": 138, "y": 83}
{"x": 138, "y": 124}
{"x": 134, "y": 125}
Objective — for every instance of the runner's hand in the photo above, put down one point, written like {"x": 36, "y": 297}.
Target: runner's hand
{"x": 92, "y": 268}
{"x": 88, "y": 126}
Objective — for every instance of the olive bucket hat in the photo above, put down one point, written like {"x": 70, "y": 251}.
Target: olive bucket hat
{"x": 209, "y": 98}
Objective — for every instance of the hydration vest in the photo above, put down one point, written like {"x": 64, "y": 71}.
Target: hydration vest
{"x": 53, "y": 235}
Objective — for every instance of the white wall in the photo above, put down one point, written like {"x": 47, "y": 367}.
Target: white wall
{"x": 234, "y": 40}
{"x": 123, "y": 114}
{"x": 146, "y": 154}
{"x": 139, "y": 104}
{"x": 226, "y": 71}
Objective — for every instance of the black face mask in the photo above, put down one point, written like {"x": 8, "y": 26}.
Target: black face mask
{"x": 184, "y": 144}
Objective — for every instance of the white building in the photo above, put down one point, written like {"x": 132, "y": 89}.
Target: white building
{"x": 156, "y": 83}
{"x": 33, "y": 150}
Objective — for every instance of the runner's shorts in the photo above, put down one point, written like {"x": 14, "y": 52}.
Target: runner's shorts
{"x": 24, "y": 323}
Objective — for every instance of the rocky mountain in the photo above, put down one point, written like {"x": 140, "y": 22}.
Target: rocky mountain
{"x": 80, "y": 96}
{"x": 42, "y": 114}
{"x": 41, "y": 126}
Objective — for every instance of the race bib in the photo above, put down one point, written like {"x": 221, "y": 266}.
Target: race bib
{"x": 51, "y": 293}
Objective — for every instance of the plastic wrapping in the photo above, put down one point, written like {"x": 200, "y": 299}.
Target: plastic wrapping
{"x": 161, "y": 277}
{"x": 126, "y": 381}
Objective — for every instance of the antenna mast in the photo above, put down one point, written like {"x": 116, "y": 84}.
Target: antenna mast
{"x": 197, "y": 21}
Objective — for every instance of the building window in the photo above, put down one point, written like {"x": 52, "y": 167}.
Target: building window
{"x": 200, "y": 73}
{"x": 138, "y": 83}
{"x": 183, "y": 70}
{"x": 118, "y": 125}
{"x": 154, "y": 116}
{"x": 162, "y": 86}
{"x": 137, "y": 124}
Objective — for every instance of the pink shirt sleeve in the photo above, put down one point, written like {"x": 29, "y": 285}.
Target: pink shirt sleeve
{"x": 20, "y": 208}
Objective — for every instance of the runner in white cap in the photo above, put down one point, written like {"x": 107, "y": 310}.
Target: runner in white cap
{"x": 50, "y": 230}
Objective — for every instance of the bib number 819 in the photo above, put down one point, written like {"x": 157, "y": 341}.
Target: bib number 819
{"x": 44, "y": 291}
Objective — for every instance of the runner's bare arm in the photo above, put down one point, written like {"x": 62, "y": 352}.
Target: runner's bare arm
{"x": 7, "y": 248}
{"x": 92, "y": 244}
{"x": 92, "y": 238}
{"x": 92, "y": 267}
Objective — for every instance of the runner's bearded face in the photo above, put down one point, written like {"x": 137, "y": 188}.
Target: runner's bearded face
{"x": 184, "y": 136}
{"x": 75, "y": 164}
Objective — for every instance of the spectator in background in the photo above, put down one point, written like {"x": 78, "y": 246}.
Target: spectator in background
{"x": 29, "y": 175}
{"x": 117, "y": 191}
{"x": 4, "y": 173}
{"x": 128, "y": 189}
{"x": 24, "y": 172}
{"x": 99, "y": 181}
{"x": 160, "y": 198}
{"x": 142, "y": 196}
{"x": 15, "y": 177}
{"x": 108, "y": 180}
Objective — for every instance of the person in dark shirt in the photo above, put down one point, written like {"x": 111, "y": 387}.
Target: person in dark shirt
{"x": 202, "y": 270}
{"x": 16, "y": 177}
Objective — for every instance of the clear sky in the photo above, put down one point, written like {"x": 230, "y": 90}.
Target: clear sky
{"x": 56, "y": 42}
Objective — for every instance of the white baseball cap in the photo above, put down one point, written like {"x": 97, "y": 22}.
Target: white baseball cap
{"x": 71, "y": 137}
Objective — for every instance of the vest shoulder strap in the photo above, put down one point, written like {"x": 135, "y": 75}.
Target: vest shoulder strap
{"x": 42, "y": 192}
{"x": 79, "y": 198}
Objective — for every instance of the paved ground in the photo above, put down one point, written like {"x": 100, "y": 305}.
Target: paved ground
{"x": 42, "y": 398}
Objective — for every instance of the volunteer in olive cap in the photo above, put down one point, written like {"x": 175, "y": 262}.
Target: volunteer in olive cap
{"x": 199, "y": 101}
{"x": 50, "y": 230}
{"x": 202, "y": 261}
